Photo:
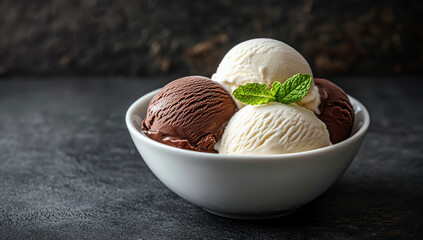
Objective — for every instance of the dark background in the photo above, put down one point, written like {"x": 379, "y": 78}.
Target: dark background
{"x": 69, "y": 70}
{"x": 140, "y": 37}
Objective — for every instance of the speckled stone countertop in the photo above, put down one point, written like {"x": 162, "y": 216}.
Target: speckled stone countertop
{"x": 69, "y": 170}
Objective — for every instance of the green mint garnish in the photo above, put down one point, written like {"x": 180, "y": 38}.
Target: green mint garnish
{"x": 254, "y": 94}
{"x": 292, "y": 90}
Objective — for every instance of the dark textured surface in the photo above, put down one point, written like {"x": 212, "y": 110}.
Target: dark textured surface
{"x": 139, "y": 37}
{"x": 68, "y": 169}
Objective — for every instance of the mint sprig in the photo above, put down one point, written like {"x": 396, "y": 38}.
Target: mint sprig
{"x": 254, "y": 94}
{"x": 292, "y": 90}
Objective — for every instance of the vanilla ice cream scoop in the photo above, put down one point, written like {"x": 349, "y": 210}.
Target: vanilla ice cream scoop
{"x": 273, "y": 128}
{"x": 264, "y": 61}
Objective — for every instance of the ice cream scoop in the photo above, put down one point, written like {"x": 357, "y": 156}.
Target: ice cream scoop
{"x": 336, "y": 110}
{"x": 189, "y": 113}
{"x": 273, "y": 128}
{"x": 264, "y": 61}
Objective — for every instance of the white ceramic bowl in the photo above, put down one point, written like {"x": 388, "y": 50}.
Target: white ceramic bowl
{"x": 246, "y": 187}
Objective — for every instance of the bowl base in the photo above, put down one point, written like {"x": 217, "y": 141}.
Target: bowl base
{"x": 275, "y": 214}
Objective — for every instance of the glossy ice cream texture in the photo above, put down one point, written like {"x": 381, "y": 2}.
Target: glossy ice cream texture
{"x": 264, "y": 61}
{"x": 273, "y": 128}
{"x": 336, "y": 110}
{"x": 189, "y": 113}
{"x": 193, "y": 112}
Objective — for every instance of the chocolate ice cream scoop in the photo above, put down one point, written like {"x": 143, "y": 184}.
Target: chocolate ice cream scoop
{"x": 336, "y": 110}
{"x": 189, "y": 113}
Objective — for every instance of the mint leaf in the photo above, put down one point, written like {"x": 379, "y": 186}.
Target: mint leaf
{"x": 294, "y": 88}
{"x": 276, "y": 86}
{"x": 254, "y": 94}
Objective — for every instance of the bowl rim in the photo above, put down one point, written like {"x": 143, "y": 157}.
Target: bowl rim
{"x": 133, "y": 130}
